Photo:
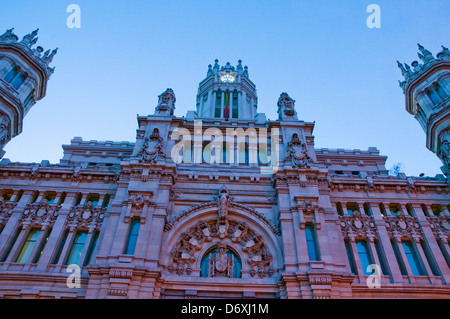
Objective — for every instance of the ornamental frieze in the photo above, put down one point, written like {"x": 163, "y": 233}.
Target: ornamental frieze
{"x": 38, "y": 213}
{"x": 403, "y": 226}
{"x": 88, "y": 216}
{"x": 358, "y": 225}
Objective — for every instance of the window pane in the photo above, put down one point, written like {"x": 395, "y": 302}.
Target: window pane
{"x": 350, "y": 258}
{"x": 413, "y": 260}
{"x": 311, "y": 244}
{"x": 10, "y": 76}
{"x": 132, "y": 237}
{"x": 28, "y": 246}
{"x": 17, "y": 82}
{"x": 364, "y": 256}
{"x": 77, "y": 248}
{"x": 41, "y": 249}
{"x": 91, "y": 250}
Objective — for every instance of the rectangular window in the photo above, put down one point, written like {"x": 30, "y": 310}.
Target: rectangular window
{"x": 413, "y": 259}
{"x": 352, "y": 208}
{"x": 77, "y": 248}
{"x": 394, "y": 209}
{"x": 50, "y": 197}
{"x": 61, "y": 246}
{"x": 339, "y": 209}
{"x": 235, "y": 110}
{"x": 41, "y": 249}
{"x": 351, "y": 261}
{"x": 364, "y": 256}
{"x": 18, "y": 80}
{"x": 367, "y": 209}
{"x": 91, "y": 251}
{"x": 28, "y": 246}
{"x": 11, "y": 75}
{"x": 132, "y": 237}
{"x": 311, "y": 243}
{"x": 94, "y": 199}
{"x": 218, "y": 109}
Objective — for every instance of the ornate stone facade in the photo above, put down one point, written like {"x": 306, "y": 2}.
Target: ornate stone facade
{"x": 141, "y": 225}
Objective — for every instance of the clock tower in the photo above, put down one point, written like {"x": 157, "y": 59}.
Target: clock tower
{"x": 227, "y": 93}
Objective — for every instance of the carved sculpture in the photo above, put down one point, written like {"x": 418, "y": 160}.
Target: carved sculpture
{"x": 297, "y": 153}
{"x": 153, "y": 148}
{"x": 286, "y": 107}
{"x": 220, "y": 264}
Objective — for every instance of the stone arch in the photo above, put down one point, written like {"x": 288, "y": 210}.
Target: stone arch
{"x": 193, "y": 235}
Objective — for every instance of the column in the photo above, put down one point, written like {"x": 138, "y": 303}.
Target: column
{"x": 86, "y": 247}
{"x": 212, "y": 110}
{"x": 66, "y": 248}
{"x": 300, "y": 240}
{"x": 433, "y": 244}
{"x": 356, "y": 258}
{"x": 386, "y": 245}
{"x": 374, "y": 253}
{"x": 121, "y": 232}
{"x": 56, "y": 234}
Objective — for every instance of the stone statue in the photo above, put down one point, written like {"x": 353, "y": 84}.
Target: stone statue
{"x": 223, "y": 202}
{"x": 286, "y": 107}
{"x": 153, "y": 148}
{"x": 444, "y": 152}
{"x": 166, "y": 103}
{"x": 4, "y": 131}
{"x": 426, "y": 55}
{"x": 297, "y": 153}
{"x": 28, "y": 39}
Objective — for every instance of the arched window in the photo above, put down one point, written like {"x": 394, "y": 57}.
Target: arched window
{"x": 218, "y": 108}
{"x": 11, "y": 75}
{"x": 235, "y": 107}
{"x": 221, "y": 262}
{"x": 440, "y": 91}
{"x": 434, "y": 97}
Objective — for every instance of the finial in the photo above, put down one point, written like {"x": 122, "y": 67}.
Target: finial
{"x": 9, "y": 36}
{"x": 28, "y": 39}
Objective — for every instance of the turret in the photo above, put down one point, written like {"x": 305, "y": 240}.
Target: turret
{"x": 227, "y": 93}
{"x": 24, "y": 72}
{"x": 427, "y": 89}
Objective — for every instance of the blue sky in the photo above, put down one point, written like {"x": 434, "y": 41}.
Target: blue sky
{"x": 342, "y": 74}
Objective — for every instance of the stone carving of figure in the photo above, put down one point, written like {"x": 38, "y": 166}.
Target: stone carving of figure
{"x": 9, "y": 36}
{"x": 153, "y": 148}
{"x": 223, "y": 202}
{"x": 444, "y": 152}
{"x": 29, "y": 39}
{"x": 221, "y": 265}
{"x": 4, "y": 132}
{"x": 166, "y": 102}
{"x": 286, "y": 107}
{"x": 297, "y": 153}
{"x": 426, "y": 55}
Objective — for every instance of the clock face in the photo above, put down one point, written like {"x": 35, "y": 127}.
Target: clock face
{"x": 227, "y": 78}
